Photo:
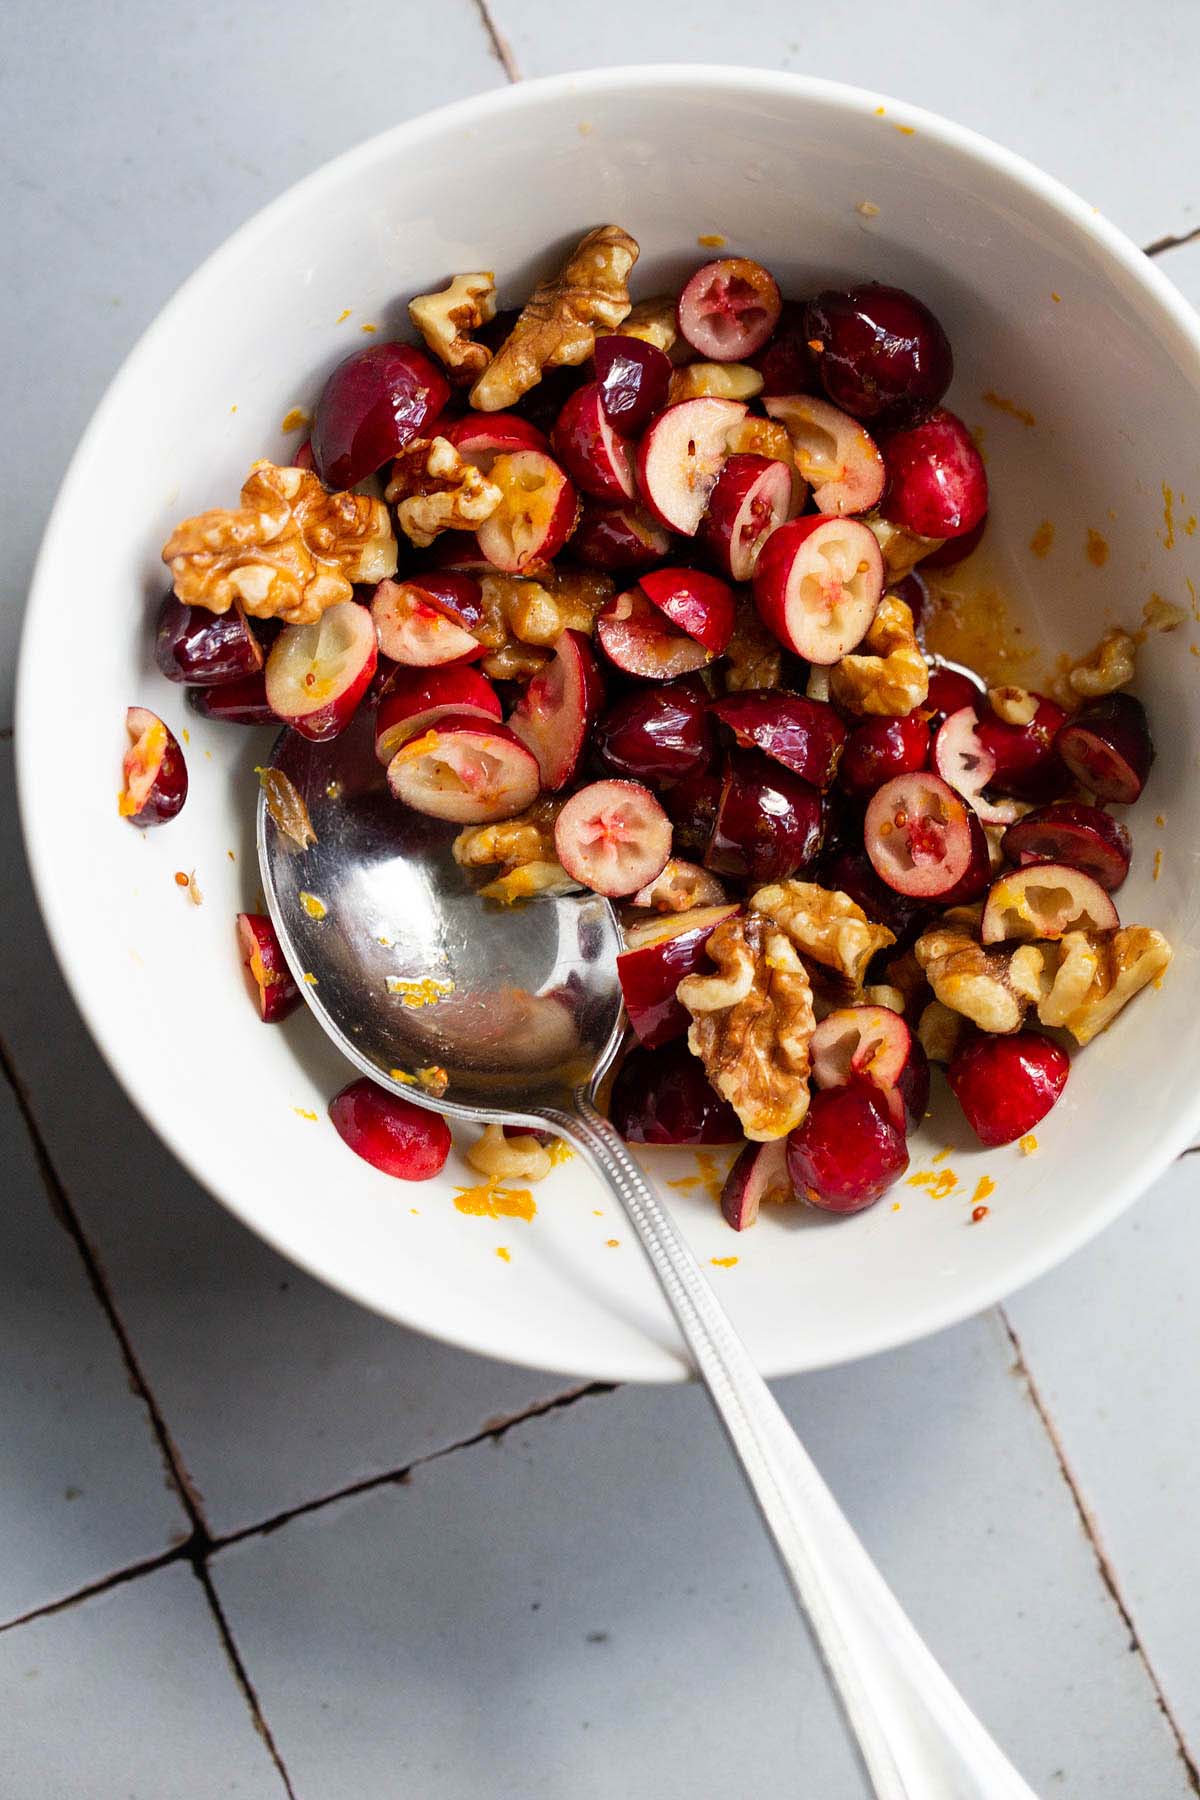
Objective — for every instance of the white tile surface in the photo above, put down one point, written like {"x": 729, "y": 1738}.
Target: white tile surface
{"x": 1101, "y": 100}
{"x": 1183, "y": 267}
{"x": 133, "y": 146}
{"x": 83, "y": 1490}
{"x": 128, "y": 1696}
{"x": 590, "y": 1607}
{"x": 1113, "y": 1340}
{"x": 274, "y": 1389}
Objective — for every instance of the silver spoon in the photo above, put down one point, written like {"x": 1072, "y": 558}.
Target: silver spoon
{"x": 528, "y": 1021}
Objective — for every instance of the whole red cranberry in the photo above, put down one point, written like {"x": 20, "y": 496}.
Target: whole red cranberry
{"x": 937, "y": 484}
{"x": 849, "y": 1149}
{"x": 1005, "y": 1085}
{"x": 880, "y": 352}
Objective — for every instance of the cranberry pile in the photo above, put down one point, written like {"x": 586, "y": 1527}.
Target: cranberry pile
{"x": 744, "y": 701}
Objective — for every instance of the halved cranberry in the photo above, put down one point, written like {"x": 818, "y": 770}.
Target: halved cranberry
{"x": 680, "y": 457}
{"x": 695, "y": 602}
{"x": 956, "y": 549}
{"x": 760, "y": 1173}
{"x": 768, "y": 823}
{"x": 961, "y": 758}
{"x": 155, "y": 774}
{"x": 374, "y": 403}
{"x": 268, "y": 978}
{"x": 536, "y": 515}
{"x": 469, "y": 770}
{"x": 1044, "y": 901}
{"x": 785, "y": 362}
{"x": 454, "y": 593}
{"x": 598, "y": 458}
{"x": 458, "y": 552}
{"x": 613, "y": 837}
{"x": 1108, "y": 748}
{"x": 660, "y": 953}
{"x": 416, "y": 628}
{"x": 1026, "y": 764}
{"x": 234, "y": 702}
{"x": 204, "y": 648}
{"x": 951, "y": 688}
{"x": 304, "y": 458}
{"x": 849, "y": 1149}
{"x": 880, "y": 749}
{"x": 394, "y": 1136}
{"x": 480, "y": 438}
{"x": 751, "y": 497}
{"x": 918, "y": 835}
{"x": 691, "y": 805}
{"x": 804, "y": 735}
{"x": 618, "y": 537}
{"x": 1006, "y": 1085}
{"x": 664, "y": 1097}
{"x": 881, "y": 354}
{"x": 657, "y": 734}
{"x": 634, "y": 378}
{"x": 937, "y": 484}
{"x": 317, "y": 674}
{"x": 1081, "y": 836}
{"x": 875, "y": 1044}
{"x": 638, "y": 638}
{"x": 833, "y": 452}
{"x": 554, "y": 714}
{"x": 850, "y": 871}
{"x": 817, "y": 585}
{"x": 418, "y": 698}
{"x": 729, "y": 309}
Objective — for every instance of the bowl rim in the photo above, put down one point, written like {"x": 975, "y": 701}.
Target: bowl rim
{"x": 935, "y": 1314}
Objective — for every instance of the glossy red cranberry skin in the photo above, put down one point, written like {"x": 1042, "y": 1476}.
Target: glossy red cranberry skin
{"x": 1026, "y": 764}
{"x": 634, "y": 378}
{"x": 457, "y": 595}
{"x": 691, "y": 805}
{"x": 848, "y": 1151}
{"x": 1005, "y": 1085}
{"x": 806, "y": 736}
{"x": 1081, "y": 836}
{"x": 577, "y": 442}
{"x": 785, "y": 362}
{"x": 618, "y": 538}
{"x": 883, "y": 355}
{"x": 851, "y": 872}
{"x": 949, "y": 691}
{"x": 373, "y": 404}
{"x": 913, "y": 1085}
{"x": 769, "y": 821}
{"x": 204, "y": 648}
{"x": 663, "y": 1096}
{"x": 393, "y": 1135}
{"x": 880, "y": 748}
{"x": 658, "y": 734}
{"x": 956, "y": 549}
{"x": 234, "y": 702}
{"x": 937, "y": 484}
{"x": 1108, "y": 748}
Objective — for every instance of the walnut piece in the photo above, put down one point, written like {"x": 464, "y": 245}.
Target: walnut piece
{"x": 993, "y": 988}
{"x": 557, "y": 325}
{"x": 884, "y": 995}
{"x": 1015, "y": 705}
{"x": 824, "y": 924}
{"x": 528, "y": 881}
{"x": 447, "y": 320}
{"x": 514, "y": 662}
{"x": 288, "y": 552}
{"x": 714, "y": 381}
{"x": 893, "y": 677}
{"x": 767, "y": 437}
{"x": 939, "y": 1031}
{"x": 752, "y": 1025}
{"x": 527, "y": 838}
{"x": 902, "y": 550}
{"x": 681, "y": 887}
{"x": 435, "y": 490}
{"x": 653, "y": 321}
{"x": 518, "y": 1158}
{"x": 753, "y": 658}
{"x": 1126, "y": 961}
{"x": 519, "y": 611}
{"x": 1111, "y": 665}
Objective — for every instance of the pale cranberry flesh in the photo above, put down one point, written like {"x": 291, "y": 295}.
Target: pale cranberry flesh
{"x": 882, "y": 354}
{"x": 613, "y": 837}
{"x": 556, "y": 711}
{"x": 408, "y": 1142}
{"x": 536, "y": 515}
{"x": 618, "y": 537}
{"x": 961, "y": 758}
{"x": 415, "y": 628}
{"x": 937, "y": 484}
{"x": 752, "y": 496}
{"x": 317, "y": 674}
{"x": 877, "y": 750}
{"x": 729, "y": 309}
{"x": 374, "y": 403}
{"x": 480, "y": 438}
{"x": 664, "y": 1097}
{"x": 817, "y": 586}
{"x": 234, "y": 702}
{"x": 695, "y": 602}
{"x": 1083, "y": 837}
{"x": 597, "y": 457}
{"x": 268, "y": 979}
{"x": 806, "y": 736}
{"x": 835, "y": 453}
{"x": 204, "y": 648}
{"x": 918, "y": 836}
{"x": 1007, "y": 1085}
{"x": 1107, "y": 747}
{"x": 658, "y": 734}
{"x": 639, "y": 639}
{"x": 759, "y": 1173}
{"x": 418, "y": 698}
{"x": 634, "y": 379}
{"x": 154, "y": 771}
{"x": 468, "y": 770}
{"x": 768, "y": 824}
{"x": 680, "y": 457}
{"x": 1045, "y": 900}
{"x": 848, "y": 1151}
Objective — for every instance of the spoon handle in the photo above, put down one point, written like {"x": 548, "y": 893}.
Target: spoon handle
{"x": 918, "y": 1738}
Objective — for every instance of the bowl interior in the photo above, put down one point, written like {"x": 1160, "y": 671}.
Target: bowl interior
{"x": 1092, "y": 375}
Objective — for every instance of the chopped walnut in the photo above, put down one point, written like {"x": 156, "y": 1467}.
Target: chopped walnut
{"x": 993, "y": 988}
{"x": 435, "y": 491}
{"x": 681, "y": 887}
{"x": 902, "y": 550}
{"x": 528, "y": 881}
{"x": 1015, "y": 705}
{"x": 1127, "y": 961}
{"x": 289, "y": 551}
{"x": 767, "y": 437}
{"x": 893, "y": 677}
{"x": 447, "y": 321}
{"x": 753, "y": 658}
{"x": 905, "y": 972}
{"x": 557, "y": 325}
{"x": 516, "y": 1158}
{"x": 714, "y": 381}
{"x": 824, "y": 924}
{"x": 527, "y": 838}
{"x": 883, "y": 995}
{"x": 752, "y": 1025}
{"x": 514, "y": 662}
{"x": 1162, "y": 615}
{"x": 817, "y": 687}
{"x": 939, "y": 1031}
{"x": 538, "y": 612}
{"x": 1066, "y": 987}
{"x": 653, "y": 321}
{"x": 1111, "y": 665}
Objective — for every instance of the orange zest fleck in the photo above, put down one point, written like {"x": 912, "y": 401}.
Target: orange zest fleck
{"x": 1028, "y": 1144}
{"x": 712, "y": 240}
{"x": 685, "y": 1183}
{"x": 1003, "y": 404}
{"x": 1055, "y": 297}
{"x": 985, "y": 1187}
{"x": 315, "y": 908}
{"x": 343, "y": 315}
{"x": 368, "y": 328}
{"x": 559, "y": 1152}
{"x": 1157, "y": 864}
{"x": 434, "y": 1080}
{"x": 940, "y": 1182}
{"x": 895, "y": 1206}
{"x": 611, "y": 1243}
{"x": 1168, "y": 533}
{"x": 905, "y": 130}
{"x": 879, "y": 111}
{"x": 303, "y": 1112}
{"x": 722, "y": 1262}
{"x": 295, "y": 420}
{"x": 504, "y": 1253}
{"x": 1096, "y": 549}
{"x": 490, "y": 1201}
{"x": 1042, "y": 538}
{"x": 943, "y": 1154}
{"x": 425, "y": 992}
{"x": 403, "y": 1077}
{"x": 181, "y": 879}
{"x": 309, "y": 978}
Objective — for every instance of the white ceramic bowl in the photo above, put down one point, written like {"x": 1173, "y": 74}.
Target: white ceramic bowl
{"x": 1045, "y": 303}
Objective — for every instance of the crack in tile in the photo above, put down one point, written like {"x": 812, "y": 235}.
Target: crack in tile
{"x": 501, "y": 47}
{"x": 1172, "y": 242}
{"x": 1091, "y": 1529}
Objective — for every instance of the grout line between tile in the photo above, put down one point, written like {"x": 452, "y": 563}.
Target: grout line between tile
{"x": 1104, "y": 1563}
{"x": 133, "y": 1572}
{"x": 240, "y": 1674}
{"x": 1169, "y": 242}
{"x": 500, "y": 44}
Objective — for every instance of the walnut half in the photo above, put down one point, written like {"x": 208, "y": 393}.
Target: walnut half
{"x": 434, "y": 490}
{"x": 448, "y": 320}
{"x": 993, "y": 988}
{"x": 288, "y": 552}
{"x": 824, "y": 924}
{"x": 558, "y": 323}
{"x": 752, "y": 1025}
